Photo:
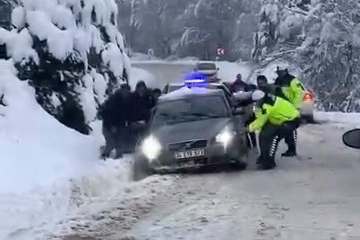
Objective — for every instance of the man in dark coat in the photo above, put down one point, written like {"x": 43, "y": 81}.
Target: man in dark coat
{"x": 115, "y": 113}
{"x": 156, "y": 92}
{"x": 239, "y": 85}
{"x": 142, "y": 102}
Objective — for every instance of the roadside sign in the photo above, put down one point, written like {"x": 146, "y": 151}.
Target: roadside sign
{"x": 220, "y": 51}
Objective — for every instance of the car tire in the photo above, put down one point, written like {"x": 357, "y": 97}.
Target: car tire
{"x": 239, "y": 165}
{"x": 141, "y": 169}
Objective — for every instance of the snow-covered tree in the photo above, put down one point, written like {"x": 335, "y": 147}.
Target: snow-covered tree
{"x": 189, "y": 27}
{"x": 322, "y": 38}
{"x": 71, "y": 52}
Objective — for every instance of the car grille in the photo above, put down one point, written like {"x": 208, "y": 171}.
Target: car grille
{"x": 187, "y": 145}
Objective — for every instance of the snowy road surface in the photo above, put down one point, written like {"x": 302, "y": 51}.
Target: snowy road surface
{"x": 315, "y": 196}
{"x": 66, "y": 193}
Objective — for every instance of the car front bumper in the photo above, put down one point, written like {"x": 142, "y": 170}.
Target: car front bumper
{"x": 214, "y": 155}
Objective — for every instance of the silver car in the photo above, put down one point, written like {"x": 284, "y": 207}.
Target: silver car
{"x": 192, "y": 131}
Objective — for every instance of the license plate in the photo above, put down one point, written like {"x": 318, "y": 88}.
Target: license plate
{"x": 190, "y": 154}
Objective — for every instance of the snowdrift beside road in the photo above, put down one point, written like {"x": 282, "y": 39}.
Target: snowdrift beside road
{"x": 50, "y": 173}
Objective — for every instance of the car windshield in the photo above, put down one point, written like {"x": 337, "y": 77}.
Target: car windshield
{"x": 174, "y": 87}
{"x": 206, "y": 66}
{"x": 190, "y": 109}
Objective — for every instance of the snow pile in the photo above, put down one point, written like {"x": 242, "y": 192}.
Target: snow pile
{"x": 50, "y": 173}
{"x": 338, "y": 117}
{"x": 72, "y": 53}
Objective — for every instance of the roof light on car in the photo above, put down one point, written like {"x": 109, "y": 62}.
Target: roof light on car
{"x": 195, "y": 81}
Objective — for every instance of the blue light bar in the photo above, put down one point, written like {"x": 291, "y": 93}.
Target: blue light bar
{"x": 195, "y": 81}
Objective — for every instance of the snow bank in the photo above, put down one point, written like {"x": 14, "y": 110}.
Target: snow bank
{"x": 338, "y": 117}
{"x": 50, "y": 172}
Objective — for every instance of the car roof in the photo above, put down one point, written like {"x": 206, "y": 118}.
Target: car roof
{"x": 183, "y": 84}
{"x": 185, "y": 93}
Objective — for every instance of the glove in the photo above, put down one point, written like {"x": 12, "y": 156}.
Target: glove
{"x": 248, "y": 129}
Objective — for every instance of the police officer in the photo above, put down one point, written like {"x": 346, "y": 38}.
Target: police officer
{"x": 275, "y": 119}
{"x": 287, "y": 87}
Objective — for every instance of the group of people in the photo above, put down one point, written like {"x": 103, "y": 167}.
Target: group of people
{"x": 120, "y": 114}
{"x": 277, "y": 114}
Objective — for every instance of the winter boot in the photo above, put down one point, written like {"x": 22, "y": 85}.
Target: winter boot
{"x": 263, "y": 167}
{"x": 259, "y": 160}
{"x": 289, "y": 153}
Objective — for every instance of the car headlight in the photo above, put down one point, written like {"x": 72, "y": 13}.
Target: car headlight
{"x": 225, "y": 136}
{"x": 151, "y": 148}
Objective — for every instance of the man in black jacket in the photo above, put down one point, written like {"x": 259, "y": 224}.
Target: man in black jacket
{"x": 115, "y": 113}
{"x": 142, "y": 102}
{"x": 239, "y": 85}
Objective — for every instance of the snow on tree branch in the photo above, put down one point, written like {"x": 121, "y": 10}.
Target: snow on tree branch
{"x": 72, "y": 52}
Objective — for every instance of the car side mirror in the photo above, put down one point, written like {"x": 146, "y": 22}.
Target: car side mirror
{"x": 352, "y": 138}
{"x": 218, "y": 69}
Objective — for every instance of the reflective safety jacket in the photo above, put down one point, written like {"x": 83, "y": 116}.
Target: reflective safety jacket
{"x": 290, "y": 87}
{"x": 274, "y": 109}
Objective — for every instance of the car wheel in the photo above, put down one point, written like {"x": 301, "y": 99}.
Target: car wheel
{"x": 239, "y": 165}
{"x": 141, "y": 169}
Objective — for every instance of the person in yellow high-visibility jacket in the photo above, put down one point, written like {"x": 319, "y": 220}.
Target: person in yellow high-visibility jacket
{"x": 276, "y": 118}
{"x": 290, "y": 86}
{"x": 292, "y": 93}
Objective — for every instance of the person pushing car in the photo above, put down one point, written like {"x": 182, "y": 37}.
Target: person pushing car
{"x": 289, "y": 88}
{"x": 275, "y": 118}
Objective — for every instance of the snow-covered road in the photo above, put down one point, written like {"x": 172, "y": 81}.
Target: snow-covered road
{"x": 315, "y": 196}
{"x": 73, "y": 196}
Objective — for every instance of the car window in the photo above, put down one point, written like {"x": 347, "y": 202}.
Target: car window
{"x": 221, "y": 87}
{"x": 190, "y": 109}
{"x": 174, "y": 88}
{"x": 206, "y": 66}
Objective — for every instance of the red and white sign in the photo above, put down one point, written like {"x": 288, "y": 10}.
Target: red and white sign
{"x": 220, "y": 51}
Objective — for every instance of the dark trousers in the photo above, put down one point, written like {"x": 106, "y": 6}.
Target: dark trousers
{"x": 291, "y": 140}
{"x": 270, "y": 137}
{"x": 115, "y": 138}
{"x": 290, "y": 134}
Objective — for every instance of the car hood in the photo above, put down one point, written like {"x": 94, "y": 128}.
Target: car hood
{"x": 184, "y": 131}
